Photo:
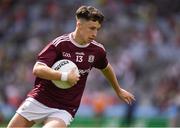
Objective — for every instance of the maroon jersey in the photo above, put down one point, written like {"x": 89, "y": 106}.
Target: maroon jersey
{"x": 84, "y": 56}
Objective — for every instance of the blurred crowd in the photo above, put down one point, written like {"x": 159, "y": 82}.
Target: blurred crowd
{"x": 142, "y": 40}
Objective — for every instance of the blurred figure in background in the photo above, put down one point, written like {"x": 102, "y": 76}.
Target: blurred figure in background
{"x": 100, "y": 101}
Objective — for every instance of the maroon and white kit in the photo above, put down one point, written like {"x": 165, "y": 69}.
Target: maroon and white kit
{"x": 84, "y": 56}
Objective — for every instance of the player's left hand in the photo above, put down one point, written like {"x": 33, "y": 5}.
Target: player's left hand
{"x": 126, "y": 96}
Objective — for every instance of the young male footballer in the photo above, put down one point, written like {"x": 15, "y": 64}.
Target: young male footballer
{"x": 56, "y": 107}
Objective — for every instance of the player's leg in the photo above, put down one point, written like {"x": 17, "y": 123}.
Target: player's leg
{"x": 54, "y": 123}
{"x": 19, "y": 121}
{"x": 58, "y": 118}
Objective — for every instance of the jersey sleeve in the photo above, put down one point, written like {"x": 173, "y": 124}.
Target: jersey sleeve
{"x": 48, "y": 55}
{"x": 102, "y": 61}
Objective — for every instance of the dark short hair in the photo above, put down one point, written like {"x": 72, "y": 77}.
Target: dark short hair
{"x": 89, "y": 13}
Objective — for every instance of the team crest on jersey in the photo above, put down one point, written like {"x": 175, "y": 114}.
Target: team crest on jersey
{"x": 91, "y": 58}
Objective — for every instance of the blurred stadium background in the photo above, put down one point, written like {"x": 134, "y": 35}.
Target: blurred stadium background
{"x": 142, "y": 38}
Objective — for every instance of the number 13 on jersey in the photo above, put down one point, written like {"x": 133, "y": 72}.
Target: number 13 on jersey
{"x": 79, "y": 58}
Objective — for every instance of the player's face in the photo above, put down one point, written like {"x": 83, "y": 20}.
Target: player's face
{"x": 89, "y": 30}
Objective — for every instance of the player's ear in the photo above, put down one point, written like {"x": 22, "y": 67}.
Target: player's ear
{"x": 79, "y": 23}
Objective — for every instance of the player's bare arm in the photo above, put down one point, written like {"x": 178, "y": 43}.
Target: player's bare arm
{"x": 111, "y": 77}
{"x": 43, "y": 71}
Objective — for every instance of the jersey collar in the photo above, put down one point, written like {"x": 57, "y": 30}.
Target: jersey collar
{"x": 76, "y": 44}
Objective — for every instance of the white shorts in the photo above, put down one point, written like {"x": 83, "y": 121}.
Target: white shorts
{"x": 35, "y": 111}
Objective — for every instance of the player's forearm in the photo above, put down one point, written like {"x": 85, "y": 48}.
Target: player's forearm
{"x": 111, "y": 77}
{"x": 46, "y": 72}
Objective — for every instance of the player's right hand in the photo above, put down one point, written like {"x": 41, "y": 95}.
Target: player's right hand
{"x": 73, "y": 77}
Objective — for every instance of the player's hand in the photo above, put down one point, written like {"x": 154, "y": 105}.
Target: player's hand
{"x": 73, "y": 77}
{"x": 126, "y": 96}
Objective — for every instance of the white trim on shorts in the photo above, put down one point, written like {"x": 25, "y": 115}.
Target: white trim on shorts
{"x": 33, "y": 110}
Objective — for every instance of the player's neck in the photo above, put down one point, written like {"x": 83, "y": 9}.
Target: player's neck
{"x": 77, "y": 38}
